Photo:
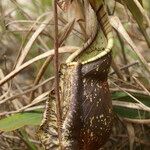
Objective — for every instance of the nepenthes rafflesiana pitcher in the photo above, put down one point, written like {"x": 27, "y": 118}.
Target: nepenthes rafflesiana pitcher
{"x": 85, "y": 98}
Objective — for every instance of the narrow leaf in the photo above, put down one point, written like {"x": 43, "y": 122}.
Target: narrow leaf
{"x": 138, "y": 16}
{"x": 116, "y": 23}
{"x": 19, "y": 120}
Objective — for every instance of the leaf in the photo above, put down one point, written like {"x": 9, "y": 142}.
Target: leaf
{"x": 19, "y": 120}
{"x": 34, "y": 36}
{"x": 143, "y": 12}
{"x": 138, "y": 16}
{"x": 117, "y": 95}
{"x": 125, "y": 106}
{"x": 64, "y": 33}
{"x": 131, "y": 134}
{"x": 116, "y": 23}
{"x": 131, "y": 113}
{"x": 122, "y": 96}
{"x": 96, "y": 4}
{"x": 63, "y": 49}
{"x": 25, "y": 137}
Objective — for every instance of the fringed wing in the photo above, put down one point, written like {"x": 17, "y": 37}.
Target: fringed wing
{"x": 70, "y": 89}
{"x": 47, "y": 132}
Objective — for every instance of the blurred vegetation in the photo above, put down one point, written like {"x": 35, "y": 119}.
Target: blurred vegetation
{"x": 27, "y": 31}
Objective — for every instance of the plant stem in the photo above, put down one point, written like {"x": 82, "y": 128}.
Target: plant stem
{"x": 56, "y": 64}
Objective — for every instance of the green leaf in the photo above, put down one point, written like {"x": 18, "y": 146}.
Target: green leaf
{"x": 25, "y": 137}
{"x": 129, "y": 112}
{"x": 118, "y": 94}
{"x": 122, "y": 96}
{"x": 19, "y": 120}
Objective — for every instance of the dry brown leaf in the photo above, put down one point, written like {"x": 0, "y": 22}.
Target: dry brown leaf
{"x": 131, "y": 135}
{"x": 32, "y": 39}
{"x": 64, "y": 49}
{"x": 126, "y": 104}
{"x": 116, "y": 23}
{"x": 142, "y": 11}
{"x": 64, "y": 33}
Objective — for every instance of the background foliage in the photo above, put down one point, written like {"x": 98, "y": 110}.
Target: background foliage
{"x": 26, "y": 33}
